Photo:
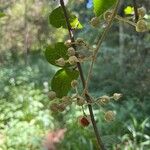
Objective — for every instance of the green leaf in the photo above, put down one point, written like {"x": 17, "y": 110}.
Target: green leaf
{"x": 57, "y": 19}
{"x": 54, "y": 52}
{"x": 2, "y": 15}
{"x": 129, "y": 10}
{"x": 61, "y": 82}
{"x": 100, "y": 6}
{"x": 110, "y": 140}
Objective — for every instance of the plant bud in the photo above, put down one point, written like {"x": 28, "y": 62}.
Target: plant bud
{"x": 61, "y": 62}
{"x": 107, "y": 15}
{"x": 117, "y": 96}
{"x": 71, "y": 51}
{"x": 74, "y": 83}
{"x": 103, "y": 100}
{"x": 94, "y": 21}
{"x": 80, "y": 101}
{"x": 52, "y": 95}
{"x": 141, "y": 12}
{"x": 83, "y": 121}
{"x": 68, "y": 43}
{"x": 141, "y": 26}
{"x": 109, "y": 116}
{"x": 73, "y": 60}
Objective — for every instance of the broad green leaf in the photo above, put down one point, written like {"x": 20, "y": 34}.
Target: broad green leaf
{"x": 129, "y": 10}
{"x": 54, "y": 52}
{"x": 100, "y": 6}
{"x": 57, "y": 19}
{"x": 61, "y": 82}
{"x": 2, "y": 15}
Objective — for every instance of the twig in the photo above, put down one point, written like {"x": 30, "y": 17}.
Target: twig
{"x": 135, "y": 10}
{"x": 88, "y": 98}
{"x": 99, "y": 43}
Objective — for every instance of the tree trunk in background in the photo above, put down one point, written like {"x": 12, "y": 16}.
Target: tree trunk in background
{"x": 25, "y": 34}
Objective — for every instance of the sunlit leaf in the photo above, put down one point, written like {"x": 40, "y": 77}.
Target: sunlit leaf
{"x": 57, "y": 19}
{"x": 61, "y": 82}
{"x": 100, "y": 6}
{"x": 54, "y": 52}
{"x": 129, "y": 10}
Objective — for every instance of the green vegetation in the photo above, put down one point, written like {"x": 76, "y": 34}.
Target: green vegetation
{"x": 26, "y": 120}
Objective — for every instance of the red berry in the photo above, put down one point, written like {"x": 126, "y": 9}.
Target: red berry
{"x": 83, "y": 120}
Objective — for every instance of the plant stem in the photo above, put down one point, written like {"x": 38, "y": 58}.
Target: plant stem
{"x": 135, "y": 10}
{"x": 125, "y": 20}
{"x": 99, "y": 43}
{"x": 88, "y": 98}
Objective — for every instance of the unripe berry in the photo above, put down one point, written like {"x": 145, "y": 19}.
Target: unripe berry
{"x": 61, "y": 62}
{"x": 141, "y": 12}
{"x": 52, "y": 95}
{"x": 117, "y": 96}
{"x": 104, "y": 100}
{"x": 141, "y": 26}
{"x": 68, "y": 43}
{"x": 107, "y": 15}
{"x": 83, "y": 120}
{"x": 74, "y": 83}
{"x": 66, "y": 100}
{"x": 109, "y": 116}
{"x": 71, "y": 51}
{"x": 62, "y": 107}
{"x": 73, "y": 60}
{"x": 54, "y": 107}
{"x": 94, "y": 21}
{"x": 80, "y": 101}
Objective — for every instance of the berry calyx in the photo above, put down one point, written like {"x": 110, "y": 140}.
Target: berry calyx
{"x": 107, "y": 15}
{"x": 109, "y": 116}
{"x": 103, "y": 100}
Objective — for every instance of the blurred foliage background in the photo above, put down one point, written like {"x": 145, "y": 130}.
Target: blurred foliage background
{"x": 26, "y": 122}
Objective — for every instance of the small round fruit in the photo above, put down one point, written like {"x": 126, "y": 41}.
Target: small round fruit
{"x": 141, "y": 26}
{"x": 71, "y": 51}
{"x": 73, "y": 60}
{"x": 141, "y": 12}
{"x": 68, "y": 43}
{"x": 74, "y": 83}
{"x": 94, "y": 21}
{"x": 52, "y": 95}
{"x": 83, "y": 120}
